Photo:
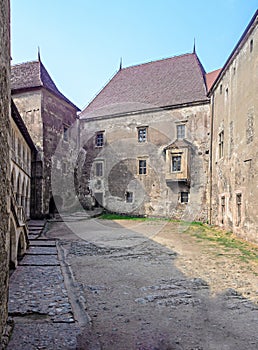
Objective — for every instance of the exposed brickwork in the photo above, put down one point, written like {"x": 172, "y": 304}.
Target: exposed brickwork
{"x": 4, "y": 157}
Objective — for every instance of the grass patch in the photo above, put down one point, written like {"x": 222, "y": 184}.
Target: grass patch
{"x": 246, "y": 251}
{"x": 110, "y": 216}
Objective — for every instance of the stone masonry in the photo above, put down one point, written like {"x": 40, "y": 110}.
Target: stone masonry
{"x": 4, "y": 157}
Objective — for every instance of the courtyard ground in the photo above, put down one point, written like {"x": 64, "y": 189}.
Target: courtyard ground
{"x": 136, "y": 285}
{"x": 154, "y": 284}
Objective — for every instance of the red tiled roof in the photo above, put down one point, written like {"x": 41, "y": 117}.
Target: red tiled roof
{"x": 211, "y": 77}
{"x": 173, "y": 81}
{"x": 29, "y": 75}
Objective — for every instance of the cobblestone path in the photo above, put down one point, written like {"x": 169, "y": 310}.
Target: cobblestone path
{"x": 38, "y": 299}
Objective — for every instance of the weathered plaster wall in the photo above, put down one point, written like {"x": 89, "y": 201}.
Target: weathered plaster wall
{"x": 235, "y": 173}
{"x": 4, "y": 157}
{"x": 152, "y": 194}
{"x": 45, "y": 116}
{"x": 57, "y": 116}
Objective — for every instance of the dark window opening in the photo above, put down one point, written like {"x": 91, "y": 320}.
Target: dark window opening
{"x": 65, "y": 133}
{"x": 99, "y": 141}
{"x": 221, "y": 144}
{"x": 251, "y": 45}
{"x": 142, "y": 134}
{"x": 184, "y": 197}
{"x": 238, "y": 204}
{"x": 176, "y": 163}
{"x": 129, "y": 197}
{"x": 223, "y": 207}
{"x": 142, "y": 167}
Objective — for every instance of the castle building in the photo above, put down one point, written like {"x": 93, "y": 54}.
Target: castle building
{"x": 23, "y": 152}
{"x": 234, "y": 143}
{"x": 146, "y": 140}
{"x": 48, "y": 115}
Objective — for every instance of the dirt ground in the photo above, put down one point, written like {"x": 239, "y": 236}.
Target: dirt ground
{"x": 147, "y": 286}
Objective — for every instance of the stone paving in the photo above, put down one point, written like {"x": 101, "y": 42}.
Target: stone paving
{"x": 38, "y": 299}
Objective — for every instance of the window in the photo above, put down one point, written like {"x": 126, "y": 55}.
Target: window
{"x": 238, "y": 205}
{"x": 221, "y": 144}
{"x": 129, "y": 197}
{"x": 220, "y": 89}
{"x": 176, "y": 163}
{"x": 223, "y": 204}
{"x": 65, "y": 133}
{"x": 99, "y": 140}
{"x": 142, "y": 134}
{"x": 184, "y": 196}
{"x": 180, "y": 130}
{"x": 251, "y": 45}
{"x": 142, "y": 167}
{"x": 64, "y": 168}
{"x": 99, "y": 169}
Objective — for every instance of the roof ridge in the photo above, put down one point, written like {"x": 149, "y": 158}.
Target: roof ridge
{"x": 20, "y": 64}
{"x": 158, "y": 60}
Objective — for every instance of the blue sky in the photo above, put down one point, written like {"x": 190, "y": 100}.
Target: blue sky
{"x": 81, "y": 41}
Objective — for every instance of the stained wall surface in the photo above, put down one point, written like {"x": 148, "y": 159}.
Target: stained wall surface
{"x": 4, "y": 157}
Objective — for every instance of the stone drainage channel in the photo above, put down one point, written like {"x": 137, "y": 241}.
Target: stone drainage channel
{"x": 46, "y": 312}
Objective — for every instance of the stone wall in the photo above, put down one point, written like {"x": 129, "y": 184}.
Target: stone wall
{"x": 235, "y": 142}
{"x": 4, "y": 157}
{"x": 46, "y": 117}
{"x": 153, "y": 193}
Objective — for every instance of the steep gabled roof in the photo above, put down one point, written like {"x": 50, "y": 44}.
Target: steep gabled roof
{"x": 211, "y": 77}
{"x": 31, "y": 75}
{"x": 21, "y": 126}
{"x": 164, "y": 83}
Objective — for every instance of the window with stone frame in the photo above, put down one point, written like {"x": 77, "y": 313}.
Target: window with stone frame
{"x": 142, "y": 134}
{"x": 142, "y": 167}
{"x": 129, "y": 197}
{"x": 180, "y": 131}
{"x": 99, "y": 169}
{"x": 99, "y": 139}
{"x": 176, "y": 163}
{"x": 221, "y": 144}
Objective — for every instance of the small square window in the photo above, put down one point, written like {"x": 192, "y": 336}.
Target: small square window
{"x": 176, "y": 163}
{"x": 99, "y": 169}
{"x": 99, "y": 140}
{"x": 142, "y": 167}
{"x": 184, "y": 197}
{"x": 180, "y": 130}
{"x": 129, "y": 197}
{"x": 142, "y": 134}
